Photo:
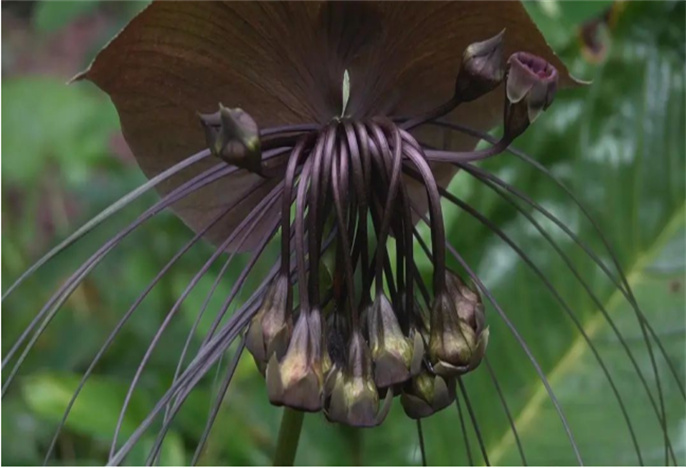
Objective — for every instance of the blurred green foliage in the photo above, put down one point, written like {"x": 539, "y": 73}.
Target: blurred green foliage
{"x": 618, "y": 144}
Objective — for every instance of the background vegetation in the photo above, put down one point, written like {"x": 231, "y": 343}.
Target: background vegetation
{"x": 619, "y": 144}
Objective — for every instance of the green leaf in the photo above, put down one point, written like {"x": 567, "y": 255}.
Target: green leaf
{"x": 49, "y": 123}
{"x": 559, "y": 21}
{"x": 661, "y": 297}
{"x": 618, "y": 144}
{"x": 51, "y": 15}
{"x": 96, "y": 410}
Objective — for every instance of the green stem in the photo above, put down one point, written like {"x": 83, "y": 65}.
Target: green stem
{"x": 355, "y": 442}
{"x": 289, "y": 435}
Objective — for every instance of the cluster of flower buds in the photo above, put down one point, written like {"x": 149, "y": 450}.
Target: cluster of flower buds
{"x": 346, "y": 361}
{"x": 353, "y": 372}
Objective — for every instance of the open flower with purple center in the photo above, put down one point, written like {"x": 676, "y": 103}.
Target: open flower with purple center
{"x": 332, "y": 129}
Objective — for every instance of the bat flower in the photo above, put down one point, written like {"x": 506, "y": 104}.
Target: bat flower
{"x": 333, "y": 130}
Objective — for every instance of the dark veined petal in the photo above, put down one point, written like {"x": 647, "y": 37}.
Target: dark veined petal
{"x": 283, "y": 62}
{"x": 179, "y": 58}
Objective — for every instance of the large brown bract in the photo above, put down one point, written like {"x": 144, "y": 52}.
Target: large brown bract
{"x": 283, "y": 62}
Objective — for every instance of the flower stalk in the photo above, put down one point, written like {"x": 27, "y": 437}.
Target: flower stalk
{"x": 289, "y": 437}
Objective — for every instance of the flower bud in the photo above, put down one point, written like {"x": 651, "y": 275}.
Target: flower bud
{"x": 427, "y": 394}
{"x": 391, "y": 350}
{"x": 458, "y": 338}
{"x": 531, "y": 86}
{"x": 468, "y": 303}
{"x": 296, "y": 380}
{"x": 354, "y": 399}
{"x": 233, "y": 136}
{"x": 270, "y": 329}
{"x": 482, "y": 68}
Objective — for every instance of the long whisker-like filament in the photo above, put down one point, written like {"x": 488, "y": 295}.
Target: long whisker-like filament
{"x": 467, "y": 208}
{"x": 105, "y": 214}
{"x": 465, "y": 437}
{"x": 520, "y": 340}
{"x": 472, "y": 417}
{"x": 487, "y": 180}
{"x": 211, "y": 350}
{"x": 622, "y": 287}
{"x": 123, "y": 321}
{"x": 62, "y": 294}
{"x": 157, "y": 446}
{"x": 244, "y": 234}
{"x": 499, "y": 390}
{"x": 253, "y": 217}
{"x": 204, "y": 360}
{"x": 491, "y": 372}
{"x": 420, "y": 438}
{"x": 525, "y": 348}
{"x": 626, "y": 289}
{"x": 218, "y": 402}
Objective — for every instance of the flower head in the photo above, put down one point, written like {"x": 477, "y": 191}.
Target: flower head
{"x": 328, "y": 149}
{"x": 337, "y": 148}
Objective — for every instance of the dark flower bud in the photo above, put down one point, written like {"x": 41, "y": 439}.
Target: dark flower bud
{"x": 297, "y": 379}
{"x": 468, "y": 302}
{"x": 458, "y": 338}
{"x": 391, "y": 350}
{"x": 427, "y": 394}
{"x": 233, "y": 136}
{"x": 482, "y": 68}
{"x": 270, "y": 328}
{"x": 354, "y": 399}
{"x": 531, "y": 86}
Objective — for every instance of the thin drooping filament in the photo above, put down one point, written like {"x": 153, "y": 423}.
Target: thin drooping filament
{"x": 337, "y": 178}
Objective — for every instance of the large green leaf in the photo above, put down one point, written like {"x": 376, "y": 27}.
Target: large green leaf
{"x": 51, "y": 123}
{"x": 601, "y": 431}
{"x": 96, "y": 411}
{"x": 618, "y": 145}
{"x": 51, "y": 16}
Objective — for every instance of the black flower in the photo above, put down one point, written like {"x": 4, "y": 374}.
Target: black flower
{"x": 333, "y": 140}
